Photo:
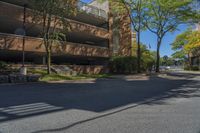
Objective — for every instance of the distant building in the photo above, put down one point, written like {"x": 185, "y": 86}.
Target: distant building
{"x": 198, "y": 26}
{"x": 195, "y": 55}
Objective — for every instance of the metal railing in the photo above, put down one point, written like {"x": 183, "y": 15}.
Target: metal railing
{"x": 92, "y": 10}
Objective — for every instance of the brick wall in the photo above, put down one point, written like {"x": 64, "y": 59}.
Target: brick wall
{"x": 124, "y": 26}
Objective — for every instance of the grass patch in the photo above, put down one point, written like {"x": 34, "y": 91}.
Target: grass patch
{"x": 58, "y": 77}
{"x": 54, "y": 77}
{"x": 41, "y": 72}
{"x": 96, "y": 75}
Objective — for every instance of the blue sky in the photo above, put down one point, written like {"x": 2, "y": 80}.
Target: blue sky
{"x": 86, "y": 0}
{"x": 150, "y": 39}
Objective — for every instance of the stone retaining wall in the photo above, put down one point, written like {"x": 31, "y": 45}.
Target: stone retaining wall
{"x": 79, "y": 69}
{"x": 89, "y": 69}
{"x": 14, "y": 78}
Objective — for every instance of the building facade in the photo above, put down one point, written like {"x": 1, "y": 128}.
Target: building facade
{"x": 197, "y": 27}
{"x": 195, "y": 55}
{"x": 195, "y": 58}
{"x": 93, "y": 38}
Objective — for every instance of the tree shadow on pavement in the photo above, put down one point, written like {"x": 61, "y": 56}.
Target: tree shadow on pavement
{"x": 186, "y": 74}
{"x": 22, "y": 101}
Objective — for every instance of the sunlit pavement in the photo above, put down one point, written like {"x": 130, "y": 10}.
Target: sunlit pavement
{"x": 168, "y": 103}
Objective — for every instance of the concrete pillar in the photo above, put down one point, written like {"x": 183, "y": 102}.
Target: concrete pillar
{"x": 43, "y": 60}
{"x": 199, "y": 61}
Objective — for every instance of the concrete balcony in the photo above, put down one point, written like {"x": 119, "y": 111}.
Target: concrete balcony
{"x": 86, "y": 13}
{"x": 14, "y": 20}
{"x": 9, "y": 42}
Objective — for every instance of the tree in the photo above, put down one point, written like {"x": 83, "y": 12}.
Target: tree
{"x": 167, "y": 61}
{"x": 147, "y": 57}
{"x": 135, "y": 10}
{"x": 193, "y": 41}
{"x": 185, "y": 44}
{"x": 164, "y": 16}
{"x": 180, "y": 55}
{"x": 179, "y": 43}
{"x": 51, "y": 15}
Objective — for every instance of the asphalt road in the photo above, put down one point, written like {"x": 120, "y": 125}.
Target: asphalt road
{"x": 164, "y": 104}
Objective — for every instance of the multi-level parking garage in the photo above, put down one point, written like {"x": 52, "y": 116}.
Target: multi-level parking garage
{"x": 89, "y": 41}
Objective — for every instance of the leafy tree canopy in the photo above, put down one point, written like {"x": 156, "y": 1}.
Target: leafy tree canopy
{"x": 193, "y": 41}
{"x": 186, "y": 42}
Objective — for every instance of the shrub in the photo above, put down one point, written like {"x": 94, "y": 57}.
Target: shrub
{"x": 187, "y": 67}
{"x": 3, "y": 65}
{"x": 147, "y": 63}
{"x": 123, "y": 65}
{"x": 195, "y": 68}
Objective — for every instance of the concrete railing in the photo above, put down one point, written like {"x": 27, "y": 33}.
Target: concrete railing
{"x": 14, "y": 43}
{"x": 6, "y": 10}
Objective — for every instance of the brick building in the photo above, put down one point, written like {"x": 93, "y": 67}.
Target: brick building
{"x": 94, "y": 36}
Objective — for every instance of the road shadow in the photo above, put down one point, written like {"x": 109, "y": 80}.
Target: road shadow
{"x": 22, "y": 101}
{"x": 185, "y": 74}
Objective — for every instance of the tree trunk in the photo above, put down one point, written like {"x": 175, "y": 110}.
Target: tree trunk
{"x": 48, "y": 44}
{"x": 189, "y": 61}
{"x": 158, "y": 56}
{"x": 48, "y": 62}
{"x": 138, "y": 54}
{"x": 48, "y": 56}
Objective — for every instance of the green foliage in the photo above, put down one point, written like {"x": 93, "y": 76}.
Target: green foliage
{"x": 54, "y": 77}
{"x": 179, "y": 55}
{"x": 59, "y": 77}
{"x": 167, "y": 61}
{"x": 178, "y": 46}
{"x": 191, "y": 68}
{"x": 123, "y": 65}
{"x": 148, "y": 58}
{"x": 193, "y": 41}
{"x": 51, "y": 14}
{"x": 181, "y": 40}
{"x": 187, "y": 67}
{"x": 195, "y": 68}
{"x": 95, "y": 75}
{"x": 3, "y": 65}
{"x": 186, "y": 43}
{"x": 164, "y": 16}
{"x": 135, "y": 9}
{"x": 37, "y": 71}
{"x": 128, "y": 65}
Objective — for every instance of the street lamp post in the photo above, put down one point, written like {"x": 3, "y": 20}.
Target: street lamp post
{"x": 23, "y": 69}
{"x": 24, "y": 28}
